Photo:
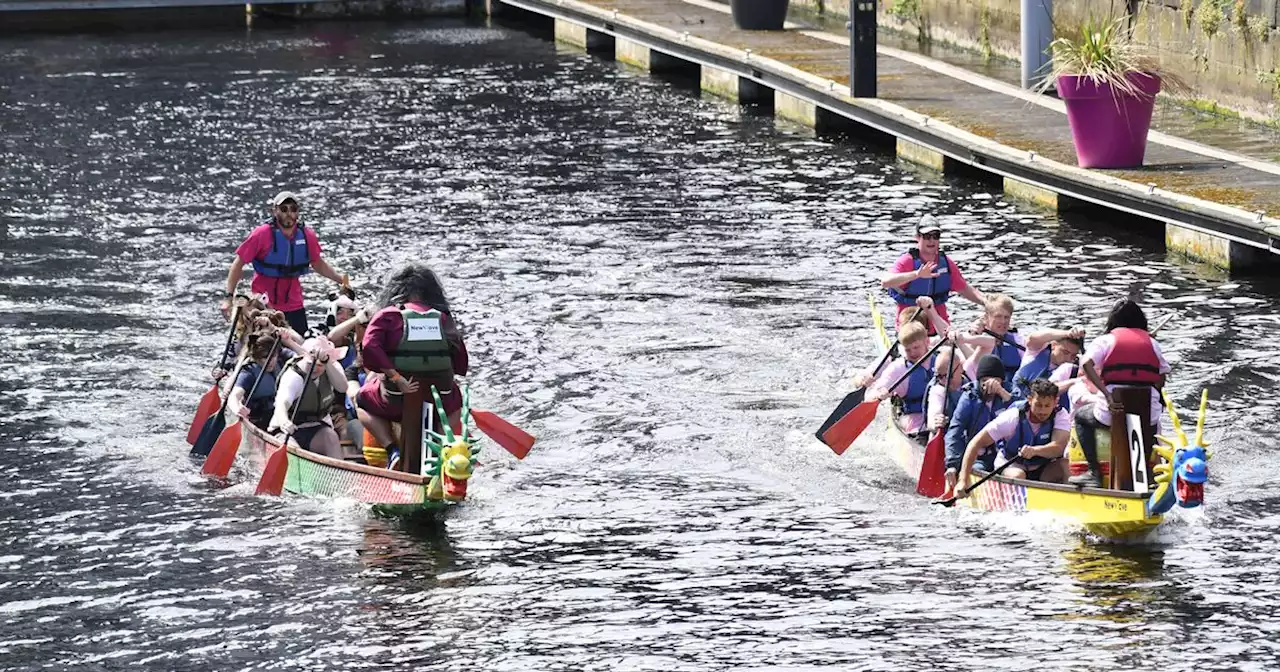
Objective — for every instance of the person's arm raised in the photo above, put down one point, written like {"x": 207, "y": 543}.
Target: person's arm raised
{"x": 899, "y": 280}
{"x": 1038, "y": 339}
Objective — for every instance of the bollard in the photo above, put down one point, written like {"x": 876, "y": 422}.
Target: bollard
{"x": 1037, "y": 33}
{"x": 862, "y": 49}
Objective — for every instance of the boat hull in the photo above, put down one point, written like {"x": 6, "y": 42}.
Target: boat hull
{"x": 1112, "y": 515}
{"x": 313, "y": 475}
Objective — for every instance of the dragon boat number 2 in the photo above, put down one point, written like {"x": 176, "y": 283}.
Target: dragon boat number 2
{"x": 1137, "y": 453}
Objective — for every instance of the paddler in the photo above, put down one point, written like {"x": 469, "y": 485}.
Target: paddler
{"x": 925, "y": 271}
{"x": 1034, "y": 433}
{"x": 264, "y": 354}
{"x": 980, "y": 401}
{"x": 1125, "y": 355}
{"x": 281, "y": 250}
{"x": 914, "y": 341}
{"x": 996, "y": 334}
{"x": 412, "y": 343}
{"x": 1049, "y": 362}
{"x": 313, "y": 395}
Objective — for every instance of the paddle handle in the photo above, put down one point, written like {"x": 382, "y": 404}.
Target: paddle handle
{"x": 231, "y": 334}
{"x": 1163, "y": 321}
{"x": 946, "y": 393}
{"x": 1000, "y": 339}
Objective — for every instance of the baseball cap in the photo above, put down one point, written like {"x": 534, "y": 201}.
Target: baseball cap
{"x": 285, "y": 196}
{"x": 928, "y": 224}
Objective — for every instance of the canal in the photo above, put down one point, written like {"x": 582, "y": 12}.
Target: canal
{"x": 668, "y": 291}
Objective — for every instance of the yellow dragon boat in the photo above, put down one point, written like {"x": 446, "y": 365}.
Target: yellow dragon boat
{"x": 1109, "y": 514}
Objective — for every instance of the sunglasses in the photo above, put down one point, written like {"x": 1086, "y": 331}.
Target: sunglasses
{"x": 287, "y": 208}
{"x": 931, "y": 236}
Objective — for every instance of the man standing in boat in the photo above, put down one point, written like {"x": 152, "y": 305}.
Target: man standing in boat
{"x": 281, "y": 250}
{"x": 926, "y": 271}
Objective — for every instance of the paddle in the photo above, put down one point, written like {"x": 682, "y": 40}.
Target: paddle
{"x": 951, "y": 501}
{"x": 210, "y": 399}
{"x": 223, "y": 455}
{"x": 853, "y": 399}
{"x": 844, "y": 432}
{"x": 214, "y": 426}
{"x": 272, "y": 481}
{"x": 933, "y": 478}
{"x": 515, "y": 440}
{"x": 1163, "y": 321}
{"x": 1001, "y": 339}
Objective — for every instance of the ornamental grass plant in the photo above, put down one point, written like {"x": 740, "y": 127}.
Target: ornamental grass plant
{"x": 1105, "y": 54}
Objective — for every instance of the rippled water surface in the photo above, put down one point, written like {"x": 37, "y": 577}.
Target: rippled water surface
{"x": 667, "y": 292}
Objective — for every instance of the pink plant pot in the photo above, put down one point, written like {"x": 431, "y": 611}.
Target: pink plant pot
{"x": 1109, "y": 127}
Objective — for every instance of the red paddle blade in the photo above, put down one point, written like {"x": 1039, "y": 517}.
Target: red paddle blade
{"x": 272, "y": 481}
{"x": 933, "y": 481}
{"x": 515, "y": 440}
{"x": 850, "y": 427}
{"x": 208, "y": 406}
{"x": 223, "y": 455}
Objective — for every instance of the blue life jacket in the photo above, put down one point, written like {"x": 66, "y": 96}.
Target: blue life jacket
{"x": 1036, "y": 368}
{"x": 969, "y": 417}
{"x": 1009, "y": 355}
{"x": 262, "y": 403}
{"x": 917, "y": 387}
{"x": 1024, "y": 435}
{"x": 1040, "y": 367}
{"x": 287, "y": 258}
{"x": 939, "y": 288}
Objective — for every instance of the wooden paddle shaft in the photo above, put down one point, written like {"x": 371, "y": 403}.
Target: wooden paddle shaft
{"x": 411, "y": 429}
{"x": 1136, "y": 400}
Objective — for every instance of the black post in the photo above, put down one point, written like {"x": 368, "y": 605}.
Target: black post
{"x": 862, "y": 49}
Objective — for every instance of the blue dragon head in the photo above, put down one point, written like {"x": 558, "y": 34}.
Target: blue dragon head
{"x": 1181, "y": 476}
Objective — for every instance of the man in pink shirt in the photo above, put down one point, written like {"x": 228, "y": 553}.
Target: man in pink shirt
{"x": 926, "y": 271}
{"x": 281, "y": 250}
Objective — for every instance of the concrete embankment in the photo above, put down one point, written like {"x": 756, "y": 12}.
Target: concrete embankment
{"x": 1207, "y": 204}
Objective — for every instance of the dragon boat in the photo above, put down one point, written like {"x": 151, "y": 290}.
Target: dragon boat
{"x": 1111, "y": 514}
{"x": 447, "y": 462}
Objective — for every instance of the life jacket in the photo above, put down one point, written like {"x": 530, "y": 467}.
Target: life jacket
{"x": 423, "y": 348}
{"x": 1133, "y": 360}
{"x": 917, "y": 388}
{"x": 971, "y": 396}
{"x": 1038, "y": 367}
{"x": 938, "y": 289}
{"x": 287, "y": 258}
{"x": 1009, "y": 355}
{"x": 1024, "y": 435}
{"x": 262, "y": 402}
{"x": 316, "y": 400}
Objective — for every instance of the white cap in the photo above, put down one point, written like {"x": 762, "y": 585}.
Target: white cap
{"x": 285, "y": 196}
{"x": 928, "y": 224}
